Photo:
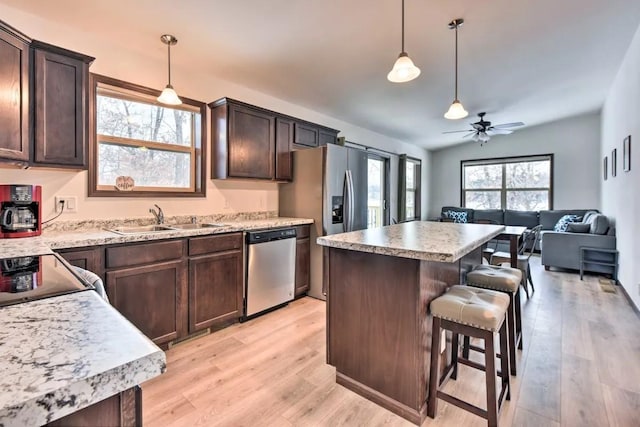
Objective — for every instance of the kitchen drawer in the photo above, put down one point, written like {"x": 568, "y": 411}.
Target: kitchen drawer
{"x": 144, "y": 253}
{"x": 209, "y": 244}
{"x": 302, "y": 231}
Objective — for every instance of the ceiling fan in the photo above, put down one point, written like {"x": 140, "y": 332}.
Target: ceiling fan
{"x": 483, "y": 130}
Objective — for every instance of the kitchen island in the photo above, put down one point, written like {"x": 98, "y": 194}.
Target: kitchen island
{"x": 379, "y": 284}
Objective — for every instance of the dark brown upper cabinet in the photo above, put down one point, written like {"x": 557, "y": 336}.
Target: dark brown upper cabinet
{"x": 43, "y": 121}
{"x": 256, "y": 143}
{"x": 284, "y": 140}
{"x": 243, "y": 141}
{"x": 306, "y": 135}
{"x": 60, "y": 108}
{"x": 14, "y": 104}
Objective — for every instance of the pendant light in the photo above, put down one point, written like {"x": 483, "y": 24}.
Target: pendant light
{"x": 168, "y": 95}
{"x": 456, "y": 111}
{"x": 403, "y": 70}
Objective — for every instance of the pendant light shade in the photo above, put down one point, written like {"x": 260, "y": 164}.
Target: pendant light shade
{"x": 404, "y": 70}
{"x": 456, "y": 110}
{"x": 169, "y": 95}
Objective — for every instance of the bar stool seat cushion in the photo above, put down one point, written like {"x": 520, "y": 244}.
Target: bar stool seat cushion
{"x": 479, "y": 308}
{"x": 505, "y": 279}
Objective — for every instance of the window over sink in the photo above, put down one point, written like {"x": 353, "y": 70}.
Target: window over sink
{"x": 514, "y": 183}
{"x": 140, "y": 146}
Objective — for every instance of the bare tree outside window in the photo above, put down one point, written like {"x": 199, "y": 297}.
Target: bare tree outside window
{"x": 522, "y": 183}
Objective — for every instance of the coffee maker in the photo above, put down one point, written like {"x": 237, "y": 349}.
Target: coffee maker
{"x": 20, "y": 210}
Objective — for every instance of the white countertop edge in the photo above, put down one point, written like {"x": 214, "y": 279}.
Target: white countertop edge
{"x": 94, "y": 389}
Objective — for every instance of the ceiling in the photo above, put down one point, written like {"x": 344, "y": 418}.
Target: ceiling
{"x": 529, "y": 60}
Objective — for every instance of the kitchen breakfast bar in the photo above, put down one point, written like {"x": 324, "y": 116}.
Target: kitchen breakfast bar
{"x": 379, "y": 284}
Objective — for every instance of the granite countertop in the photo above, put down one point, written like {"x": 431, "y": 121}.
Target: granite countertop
{"x": 425, "y": 240}
{"x": 75, "y": 239}
{"x": 61, "y": 354}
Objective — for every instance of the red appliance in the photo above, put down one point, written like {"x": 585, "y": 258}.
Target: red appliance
{"x": 20, "y": 210}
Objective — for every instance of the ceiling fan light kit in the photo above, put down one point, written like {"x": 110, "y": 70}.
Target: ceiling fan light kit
{"x": 169, "y": 95}
{"x": 404, "y": 70}
{"x": 456, "y": 110}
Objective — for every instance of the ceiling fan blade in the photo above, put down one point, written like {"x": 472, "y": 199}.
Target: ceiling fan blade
{"x": 457, "y": 131}
{"x": 509, "y": 125}
{"x": 499, "y": 131}
{"x": 470, "y": 133}
{"x": 477, "y": 126}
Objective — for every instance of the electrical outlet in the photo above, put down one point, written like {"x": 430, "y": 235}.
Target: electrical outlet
{"x": 70, "y": 204}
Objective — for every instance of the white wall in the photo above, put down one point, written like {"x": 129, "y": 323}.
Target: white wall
{"x": 574, "y": 142}
{"x": 119, "y": 62}
{"x": 620, "y": 199}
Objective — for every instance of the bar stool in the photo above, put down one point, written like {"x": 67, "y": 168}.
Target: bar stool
{"x": 506, "y": 280}
{"x": 479, "y": 313}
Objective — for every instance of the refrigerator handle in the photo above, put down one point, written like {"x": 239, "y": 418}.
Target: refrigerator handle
{"x": 345, "y": 202}
{"x": 352, "y": 209}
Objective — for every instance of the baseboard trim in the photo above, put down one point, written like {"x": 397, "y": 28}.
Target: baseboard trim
{"x": 633, "y": 305}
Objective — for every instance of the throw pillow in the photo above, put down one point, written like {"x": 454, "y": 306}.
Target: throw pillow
{"x": 599, "y": 224}
{"x": 578, "y": 227}
{"x": 457, "y": 216}
{"x": 564, "y": 221}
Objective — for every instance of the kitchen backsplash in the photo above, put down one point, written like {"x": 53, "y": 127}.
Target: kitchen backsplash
{"x": 99, "y": 224}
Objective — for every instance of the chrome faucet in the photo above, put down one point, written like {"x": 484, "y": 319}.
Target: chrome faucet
{"x": 159, "y": 216}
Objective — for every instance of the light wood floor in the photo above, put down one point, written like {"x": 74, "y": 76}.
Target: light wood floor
{"x": 580, "y": 367}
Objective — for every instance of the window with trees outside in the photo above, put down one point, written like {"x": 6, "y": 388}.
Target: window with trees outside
{"x": 515, "y": 183}
{"x": 409, "y": 194}
{"x": 140, "y": 146}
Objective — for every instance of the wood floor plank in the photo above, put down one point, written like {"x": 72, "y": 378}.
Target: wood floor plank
{"x": 623, "y": 407}
{"x": 580, "y": 366}
{"x": 582, "y": 400}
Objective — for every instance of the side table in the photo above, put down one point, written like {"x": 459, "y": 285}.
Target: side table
{"x": 584, "y": 259}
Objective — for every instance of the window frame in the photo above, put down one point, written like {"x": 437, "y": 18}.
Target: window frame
{"x": 402, "y": 192}
{"x": 197, "y": 149}
{"x": 503, "y": 161}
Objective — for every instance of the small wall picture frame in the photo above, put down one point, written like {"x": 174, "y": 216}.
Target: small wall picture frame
{"x": 605, "y": 165}
{"x": 614, "y": 162}
{"x": 626, "y": 154}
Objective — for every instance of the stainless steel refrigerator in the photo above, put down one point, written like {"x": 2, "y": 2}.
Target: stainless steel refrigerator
{"x": 329, "y": 186}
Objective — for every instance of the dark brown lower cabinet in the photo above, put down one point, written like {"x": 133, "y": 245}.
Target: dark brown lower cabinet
{"x": 89, "y": 259}
{"x": 215, "y": 289}
{"x": 153, "y": 298}
{"x": 303, "y": 260}
{"x": 121, "y": 410}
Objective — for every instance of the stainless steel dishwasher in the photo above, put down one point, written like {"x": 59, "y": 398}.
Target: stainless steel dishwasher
{"x": 271, "y": 269}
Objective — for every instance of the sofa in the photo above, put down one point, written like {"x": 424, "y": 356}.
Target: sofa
{"x": 558, "y": 249}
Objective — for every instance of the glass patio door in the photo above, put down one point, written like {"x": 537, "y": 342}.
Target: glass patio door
{"x": 377, "y": 191}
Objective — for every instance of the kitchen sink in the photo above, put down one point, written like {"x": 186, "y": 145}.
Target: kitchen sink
{"x": 141, "y": 229}
{"x": 196, "y": 226}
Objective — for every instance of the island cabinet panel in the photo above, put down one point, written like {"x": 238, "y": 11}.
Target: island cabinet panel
{"x": 61, "y": 83}
{"x": 215, "y": 280}
{"x": 121, "y": 410}
{"x": 14, "y": 102}
{"x": 89, "y": 259}
{"x": 152, "y": 297}
{"x": 303, "y": 260}
{"x": 384, "y": 358}
{"x": 284, "y": 140}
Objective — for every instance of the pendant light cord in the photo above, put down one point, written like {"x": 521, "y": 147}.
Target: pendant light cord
{"x": 169, "y": 61}
{"x": 403, "y": 26}
{"x": 456, "y": 62}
